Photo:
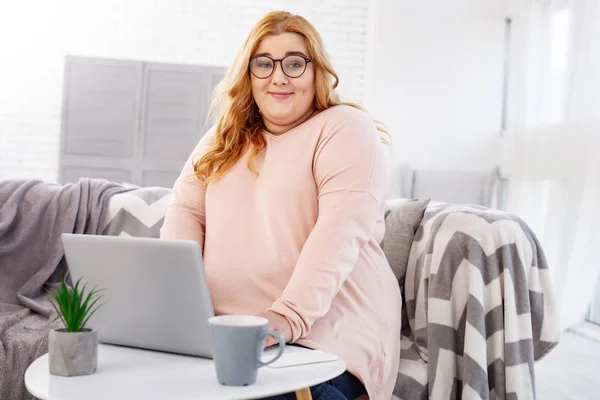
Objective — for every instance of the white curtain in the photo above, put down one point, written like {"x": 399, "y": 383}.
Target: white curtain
{"x": 552, "y": 142}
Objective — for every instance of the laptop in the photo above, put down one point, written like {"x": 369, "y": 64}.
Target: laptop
{"x": 154, "y": 292}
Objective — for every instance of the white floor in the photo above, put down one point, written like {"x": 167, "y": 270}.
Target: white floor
{"x": 571, "y": 370}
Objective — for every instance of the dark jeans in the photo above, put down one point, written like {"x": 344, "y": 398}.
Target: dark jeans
{"x": 344, "y": 387}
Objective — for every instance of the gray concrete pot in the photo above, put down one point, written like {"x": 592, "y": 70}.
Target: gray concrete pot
{"x": 73, "y": 353}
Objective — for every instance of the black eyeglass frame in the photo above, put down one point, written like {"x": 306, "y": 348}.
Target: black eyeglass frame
{"x": 306, "y": 60}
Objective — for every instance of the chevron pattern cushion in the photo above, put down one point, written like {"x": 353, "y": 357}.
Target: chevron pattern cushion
{"x": 139, "y": 212}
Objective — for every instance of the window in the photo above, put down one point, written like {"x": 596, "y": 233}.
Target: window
{"x": 554, "y": 46}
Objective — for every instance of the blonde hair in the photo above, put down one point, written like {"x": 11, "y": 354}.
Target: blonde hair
{"x": 240, "y": 123}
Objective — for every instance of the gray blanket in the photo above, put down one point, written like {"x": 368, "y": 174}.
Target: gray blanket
{"x": 33, "y": 214}
{"x": 480, "y": 307}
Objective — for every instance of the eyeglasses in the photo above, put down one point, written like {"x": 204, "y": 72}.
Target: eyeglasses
{"x": 262, "y": 67}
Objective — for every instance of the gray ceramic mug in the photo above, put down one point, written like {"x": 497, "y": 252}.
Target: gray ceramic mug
{"x": 238, "y": 342}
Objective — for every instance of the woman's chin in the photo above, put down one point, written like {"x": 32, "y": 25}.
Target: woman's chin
{"x": 282, "y": 118}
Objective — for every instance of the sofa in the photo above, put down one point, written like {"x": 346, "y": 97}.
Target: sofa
{"x": 478, "y": 304}
{"x": 485, "y": 187}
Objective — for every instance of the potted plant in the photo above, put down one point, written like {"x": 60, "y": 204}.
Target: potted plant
{"x": 73, "y": 350}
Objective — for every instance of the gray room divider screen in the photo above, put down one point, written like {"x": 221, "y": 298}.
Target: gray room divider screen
{"x": 132, "y": 121}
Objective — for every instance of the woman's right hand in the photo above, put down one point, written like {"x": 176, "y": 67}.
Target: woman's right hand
{"x": 279, "y": 323}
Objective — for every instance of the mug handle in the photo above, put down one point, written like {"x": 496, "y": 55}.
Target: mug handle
{"x": 281, "y": 341}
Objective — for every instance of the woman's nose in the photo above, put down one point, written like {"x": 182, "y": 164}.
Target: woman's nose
{"x": 279, "y": 78}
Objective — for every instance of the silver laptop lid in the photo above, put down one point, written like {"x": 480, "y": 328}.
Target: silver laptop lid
{"x": 155, "y": 292}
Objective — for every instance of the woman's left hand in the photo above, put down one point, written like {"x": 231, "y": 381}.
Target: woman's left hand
{"x": 278, "y": 323}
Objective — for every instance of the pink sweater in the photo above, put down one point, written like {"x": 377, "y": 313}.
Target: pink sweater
{"x": 302, "y": 239}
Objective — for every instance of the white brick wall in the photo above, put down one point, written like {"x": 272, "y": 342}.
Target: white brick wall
{"x": 36, "y": 35}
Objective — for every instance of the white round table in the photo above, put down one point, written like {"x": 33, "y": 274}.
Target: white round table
{"x": 127, "y": 373}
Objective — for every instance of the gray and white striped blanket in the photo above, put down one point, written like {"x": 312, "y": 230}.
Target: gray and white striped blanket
{"x": 479, "y": 307}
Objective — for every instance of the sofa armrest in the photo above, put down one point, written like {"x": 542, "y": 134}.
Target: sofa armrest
{"x": 479, "y": 300}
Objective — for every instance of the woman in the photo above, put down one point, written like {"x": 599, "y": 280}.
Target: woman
{"x": 286, "y": 197}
